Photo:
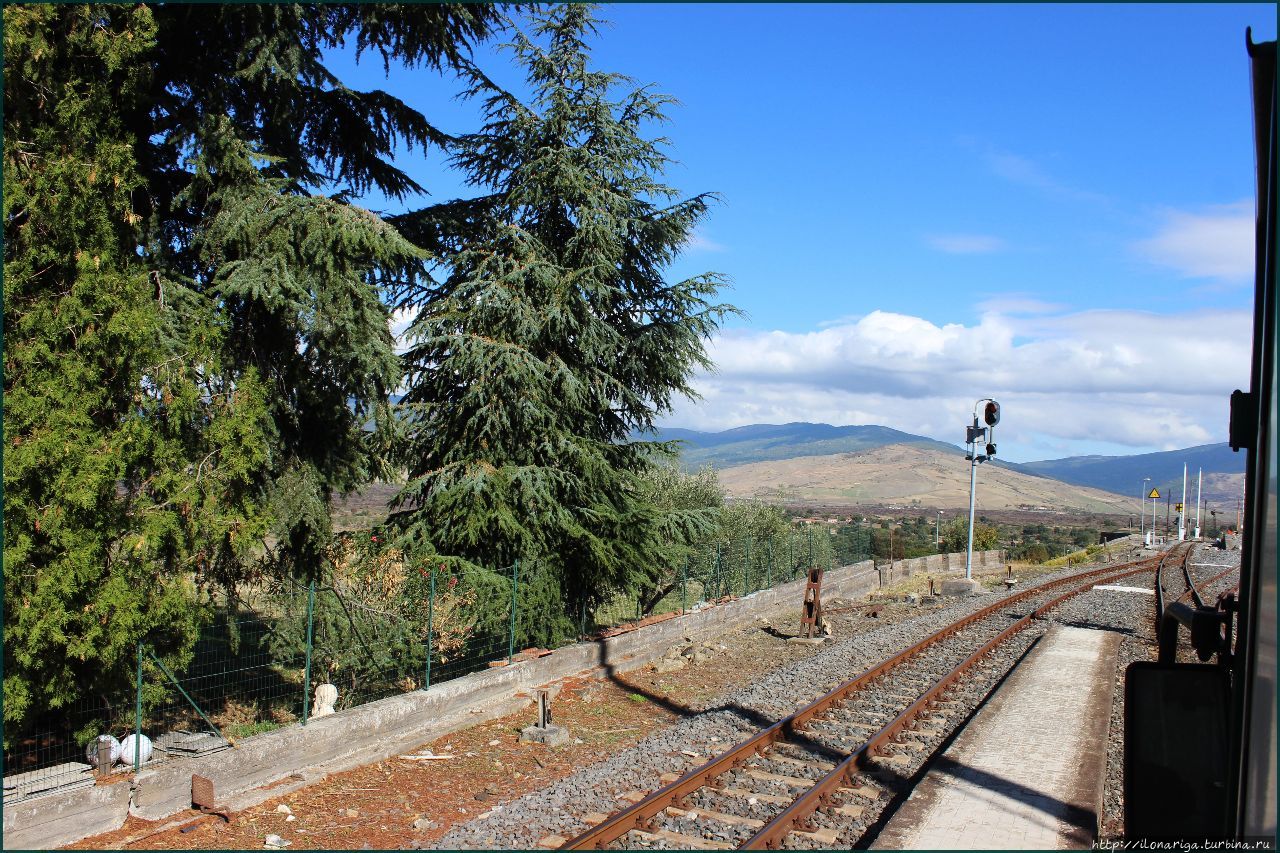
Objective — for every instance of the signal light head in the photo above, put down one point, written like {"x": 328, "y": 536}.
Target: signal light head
{"x": 991, "y": 413}
{"x": 991, "y": 450}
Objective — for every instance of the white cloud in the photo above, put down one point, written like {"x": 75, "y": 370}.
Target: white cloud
{"x": 965, "y": 244}
{"x": 1015, "y": 303}
{"x": 1022, "y": 170}
{"x": 1216, "y": 243}
{"x": 1099, "y": 377}
{"x": 699, "y": 242}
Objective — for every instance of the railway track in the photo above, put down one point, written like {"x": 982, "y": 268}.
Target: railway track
{"x": 823, "y": 775}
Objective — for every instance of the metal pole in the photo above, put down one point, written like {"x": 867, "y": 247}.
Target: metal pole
{"x": 1182, "y": 513}
{"x": 137, "y": 718}
{"x": 306, "y": 671}
{"x": 768, "y": 567}
{"x": 431, "y": 612}
{"x": 1142, "y": 532}
{"x": 1199, "y": 483}
{"x": 719, "y": 569}
{"x": 684, "y": 585}
{"x": 515, "y": 584}
{"x": 190, "y": 701}
{"x": 973, "y": 485}
{"x": 746, "y": 567}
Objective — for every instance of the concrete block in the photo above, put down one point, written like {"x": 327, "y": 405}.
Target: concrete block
{"x": 43, "y": 823}
{"x": 551, "y": 735}
{"x": 961, "y": 586}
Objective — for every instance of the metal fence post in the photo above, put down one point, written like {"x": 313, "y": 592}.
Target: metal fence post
{"x": 515, "y": 585}
{"x": 306, "y": 671}
{"x": 431, "y": 608}
{"x": 719, "y": 569}
{"x": 137, "y": 718}
{"x": 768, "y": 566}
{"x": 811, "y": 546}
{"x": 684, "y": 585}
{"x": 746, "y": 567}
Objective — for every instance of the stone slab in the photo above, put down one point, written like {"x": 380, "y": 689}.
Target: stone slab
{"x": 1027, "y": 773}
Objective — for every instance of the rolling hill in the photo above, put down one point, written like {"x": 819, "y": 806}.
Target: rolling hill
{"x": 819, "y": 467}
{"x": 910, "y": 474}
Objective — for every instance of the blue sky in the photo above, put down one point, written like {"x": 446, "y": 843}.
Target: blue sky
{"x": 924, "y": 205}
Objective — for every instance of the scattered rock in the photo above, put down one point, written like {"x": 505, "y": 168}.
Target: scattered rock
{"x": 283, "y": 809}
{"x": 352, "y": 813}
{"x": 494, "y": 742}
{"x": 275, "y": 842}
{"x": 422, "y": 824}
{"x": 289, "y": 819}
{"x": 670, "y": 664}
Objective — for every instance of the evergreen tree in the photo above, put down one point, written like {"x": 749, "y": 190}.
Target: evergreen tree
{"x": 250, "y": 148}
{"x": 117, "y": 462}
{"x": 194, "y": 334}
{"x": 551, "y": 335}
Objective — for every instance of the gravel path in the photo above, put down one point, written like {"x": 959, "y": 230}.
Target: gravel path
{"x": 560, "y": 808}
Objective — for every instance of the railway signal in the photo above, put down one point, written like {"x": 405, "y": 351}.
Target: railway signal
{"x": 975, "y": 435}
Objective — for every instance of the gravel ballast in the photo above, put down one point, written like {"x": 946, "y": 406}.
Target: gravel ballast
{"x": 560, "y": 809}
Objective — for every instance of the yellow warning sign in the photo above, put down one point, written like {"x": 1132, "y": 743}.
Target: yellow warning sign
{"x": 1155, "y": 493}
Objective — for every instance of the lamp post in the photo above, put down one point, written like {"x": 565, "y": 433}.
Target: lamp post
{"x": 1142, "y": 532}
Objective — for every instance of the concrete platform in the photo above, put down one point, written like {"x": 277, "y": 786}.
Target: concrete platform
{"x": 1027, "y": 772}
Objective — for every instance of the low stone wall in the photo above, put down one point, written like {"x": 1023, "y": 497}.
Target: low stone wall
{"x": 376, "y": 730}
{"x": 900, "y": 570}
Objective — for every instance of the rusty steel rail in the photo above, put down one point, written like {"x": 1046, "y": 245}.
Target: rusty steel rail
{"x": 1182, "y": 551}
{"x": 640, "y": 815}
{"x": 1191, "y": 584}
{"x": 794, "y": 818}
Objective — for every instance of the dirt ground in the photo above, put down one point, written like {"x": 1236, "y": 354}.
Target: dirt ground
{"x": 376, "y": 806}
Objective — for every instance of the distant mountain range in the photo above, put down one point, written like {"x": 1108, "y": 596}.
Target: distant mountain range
{"x": 1122, "y": 475}
{"x": 1223, "y": 471}
{"x": 765, "y": 442}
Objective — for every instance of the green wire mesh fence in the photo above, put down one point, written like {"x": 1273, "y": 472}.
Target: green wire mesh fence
{"x": 259, "y": 660}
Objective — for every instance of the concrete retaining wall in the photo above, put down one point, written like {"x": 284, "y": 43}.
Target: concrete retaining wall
{"x": 376, "y": 730}
{"x": 899, "y": 570}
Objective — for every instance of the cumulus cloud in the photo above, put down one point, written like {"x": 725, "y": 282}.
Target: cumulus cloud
{"x": 965, "y": 244}
{"x": 1098, "y": 377}
{"x": 1216, "y": 243}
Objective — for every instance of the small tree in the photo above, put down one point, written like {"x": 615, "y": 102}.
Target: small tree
{"x": 955, "y": 536}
